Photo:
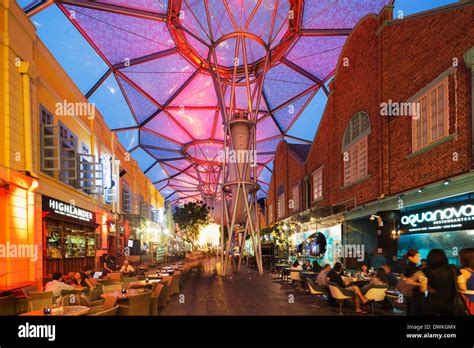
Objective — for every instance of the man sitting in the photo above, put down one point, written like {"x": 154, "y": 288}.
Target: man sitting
{"x": 307, "y": 266}
{"x": 127, "y": 269}
{"x": 56, "y": 286}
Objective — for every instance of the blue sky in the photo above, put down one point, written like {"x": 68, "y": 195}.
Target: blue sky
{"x": 85, "y": 67}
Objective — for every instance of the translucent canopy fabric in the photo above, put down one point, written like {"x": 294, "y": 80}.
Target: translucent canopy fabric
{"x": 157, "y": 52}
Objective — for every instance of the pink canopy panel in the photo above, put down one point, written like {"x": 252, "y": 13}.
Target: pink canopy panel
{"x": 160, "y": 53}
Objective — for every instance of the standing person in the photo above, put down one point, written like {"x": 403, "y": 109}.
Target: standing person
{"x": 413, "y": 277}
{"x": 441, "y": 287}
{"x": 467, "y": 263}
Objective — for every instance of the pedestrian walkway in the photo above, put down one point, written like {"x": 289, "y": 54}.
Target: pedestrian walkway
{"x": 244, "y": 294}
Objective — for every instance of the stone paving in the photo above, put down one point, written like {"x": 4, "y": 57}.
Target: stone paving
{"x": 247, "y": 294}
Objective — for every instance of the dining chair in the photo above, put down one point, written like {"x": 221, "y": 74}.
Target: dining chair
{"x": 113, "y": 287}
{"x": 375, "y": 294}
{"x": 137, "y": 305}
{"x": 163, "y": 299}
{"x": 27, "y": 289}
{"x": 315, "y": 290}
{"x": 40, "y": 300}
{"x": 99, "y": 306}
{"x": 295, "y": 277}
{"x": 339, "y": 295}
{"x": 127, "y": 280}
{"x": 7, "y": 305}
{"x": 106, "y": 312}
{"x": 174, "y": 286}
{"x": 114, "y": 275}
{"x": 155, "y": 298}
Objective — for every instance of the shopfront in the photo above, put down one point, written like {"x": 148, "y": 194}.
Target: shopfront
{"x": 70, "y": 237}
{"x": 445, "y": 224}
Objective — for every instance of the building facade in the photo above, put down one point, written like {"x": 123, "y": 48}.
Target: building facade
{"x": 68, "y": 188}
{"x": 396, "y": 136}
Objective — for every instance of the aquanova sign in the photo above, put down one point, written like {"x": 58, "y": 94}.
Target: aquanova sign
{"x": 458, "y": 216}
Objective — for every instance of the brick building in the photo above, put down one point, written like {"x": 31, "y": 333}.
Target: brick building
{"x": 395, "y": 138}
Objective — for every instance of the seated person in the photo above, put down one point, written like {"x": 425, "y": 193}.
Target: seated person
{"x": 87, "y": 271}
{"x": 364, "y": 271}
{"x": 316, "y": 267}
{"x": 380, "y": 279}
{"x": 80, "y": 280}
{"x": 127, "y": 269}
{"x": 307, "y": 266}
{"x": 296, "y": 266}
{"x": 391, "y": 277}
{"x": 335, "y": 277}
{"x": 56, "y": 286}
{"x": 322, "y": 278}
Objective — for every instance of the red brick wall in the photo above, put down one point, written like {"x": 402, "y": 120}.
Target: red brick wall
{"x": 390, "y": 61}
{"x": 415, "y": 52}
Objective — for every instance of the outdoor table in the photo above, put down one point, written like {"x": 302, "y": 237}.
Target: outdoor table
{"x": 70, "y": 311}
{"x": 143, "y": 283}
{"x": 124, "y": 296}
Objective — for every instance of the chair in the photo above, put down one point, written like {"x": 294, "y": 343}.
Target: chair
{"x": 127, "y": 280}
{"x": 315, "y": 290}
{"x": 107, "y": 312}
{"x": 7, "y": 305}
{"x": 339, "y": 295}
{"x": 174, "y": 286}
{"x": 375, "y": 294}
{"x": 285, "y": 272}
{"x": 295, "y": 277}
{"x": 155, "y": 298}
{"x": 99, "y": 306}
{"x": 114, "y": 275}
{"x": 27, "y": 289}
{"x": 137, "y": 305}
{"x": 113, "y": 287}
{"x": 40, "y": 300}
{"x": 167, "y": 280}
{"x": 164, "y": 296}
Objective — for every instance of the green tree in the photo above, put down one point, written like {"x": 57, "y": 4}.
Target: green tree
{"x": 190, "y": 217}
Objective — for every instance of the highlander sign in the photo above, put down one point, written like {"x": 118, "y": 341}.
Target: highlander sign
{"x": 458, "y": 216}
{"x": 66, "y": 209}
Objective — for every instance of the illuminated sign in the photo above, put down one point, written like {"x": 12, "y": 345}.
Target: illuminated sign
{"x": 452, "y": 217}
{"x": 67, "y": 209}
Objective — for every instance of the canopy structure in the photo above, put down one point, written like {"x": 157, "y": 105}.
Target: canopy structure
{"x": 162, "y": 54}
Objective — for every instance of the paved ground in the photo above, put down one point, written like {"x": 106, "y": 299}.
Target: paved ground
{"x": 246, "y": 294}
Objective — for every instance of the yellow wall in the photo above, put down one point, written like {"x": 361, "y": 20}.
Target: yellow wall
{"x": 49, "y": 85}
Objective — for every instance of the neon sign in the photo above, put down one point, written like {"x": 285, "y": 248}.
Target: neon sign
{"x": 445, "y": 218}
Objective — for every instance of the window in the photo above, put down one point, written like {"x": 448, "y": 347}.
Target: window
{"x": 68, "y": 156}
{"x": 49, "y": 143}
{"x": 281, "y": 202}
{"x": 318, "y": 184}
{"x": 270, "y": 213}
{"x": 296, "y": 197}
{"x": 354, "y": 150}
{"x": 126, "y": 198}
{"x": 432, "y": 123}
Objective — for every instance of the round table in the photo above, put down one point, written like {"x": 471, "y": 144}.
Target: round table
{"x": 70, "y": 311}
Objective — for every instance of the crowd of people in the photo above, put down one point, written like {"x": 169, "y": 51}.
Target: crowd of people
{"x": 429, "y": 286}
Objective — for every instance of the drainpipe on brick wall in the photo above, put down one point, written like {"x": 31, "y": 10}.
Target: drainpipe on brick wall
{"x": 23, "y": 69}
{"x": 469, "y": 59}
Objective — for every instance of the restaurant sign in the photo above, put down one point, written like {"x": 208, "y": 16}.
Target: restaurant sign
{"x": 67, "y": 209}
{"x": 446, "y": 217}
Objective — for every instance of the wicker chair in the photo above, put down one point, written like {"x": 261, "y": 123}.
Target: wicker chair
{"x": 164, "y": 296}
{"x": 174, "y": 287}
{"x": 155, "y": 298}
{"x": 113, "y": 287}
{"x": 114, "y": 275}
{"x": 107, "y": 312}
{"x": 106, "y": 304}
{"x": 7, "y": 305}
{"x": 137, "y": 305}
{"x": 40, "y": 300}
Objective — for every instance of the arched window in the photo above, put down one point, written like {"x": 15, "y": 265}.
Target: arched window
{"x": 354, "y": 147}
